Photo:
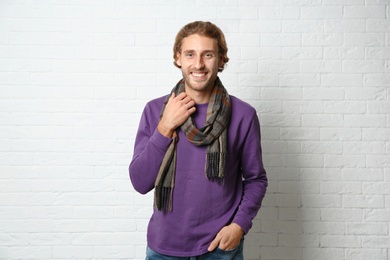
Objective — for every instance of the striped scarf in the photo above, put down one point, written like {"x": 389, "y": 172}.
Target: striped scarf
{"x": 213, "y": 134}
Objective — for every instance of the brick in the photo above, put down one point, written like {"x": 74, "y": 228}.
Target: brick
{"x": 114, "y": 252}
{"x": 344, "y": 52}
{"x": 378, "y": 107}
{"x": 279, "y": 12}
{"x": 324, "y": 12}
{"x": 281, "y": 93}
{"x": 299, "y": 214}
{"x": 372, "y": 93}
{"x": 36, "y": 252}
{"x": 284, "y": 200}
{"x": 263, "y": 26}
{"x": 304, "y": 107}
{"x": 335, "y": 161}
{"x": 302, "y": 26}
{"x": 299, "y": 134}
{"x": 378, "y": 25}
{"x": 364, "y": 39}
{"x": 7, "y": 239}
{"x": 302, "y": 53}
{"x": 49, "y": 239}
{"x": 340, "y": 134}
{"x": 242, "y": 12}
{"x": 314, "y": 174}
{"x": 341, "y": 241}
{"x": 376, "y": 79}
{"x": 377, "y": 215}
{"x": 378, "y": 161}
{"x": 353, "y": 12}
{"x": 323, "y": 93}
{"x": 336, "y": 187}
{"x": 291, "y": 80}
{"x": 363, "y": 201}
{"x": 343, "y": 25}
{"x": 376, "y": 241}
{"x": 364, "y": 253}
{"x": 321, "y": 228}
{"x": 277, "y": 39}
{"x": 292, "y": 187}
{"x": 89, "y": 239}
{"x": 323, "y": 253}
{"x": 357, "y": 66}
{"x": 73, "y": 252}
{"x": 378, "y": 134}
{"x": 344, "y": 107}
{"x": 365, "y": 120}
{"x": 378, "y": 53}
{"x": 363, "y": 147}
{"x": 342, "y": 214}
{"x": 123, "y": 238}
{"x": 263, "y": 53}
{"x": 321, "y": 201}
{"x": 363, "y": 174}
{"x": 367, "y": 228}
{"x": 322, "y": 39}
{"x": 281, "y": 253}
{"x": 322, "y": 120}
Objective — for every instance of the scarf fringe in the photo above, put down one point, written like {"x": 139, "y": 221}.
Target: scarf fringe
{"x": 215, "y": 165}
{"x": 163, "y": 198}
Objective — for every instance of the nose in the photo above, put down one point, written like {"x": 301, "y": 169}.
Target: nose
{"x": 199, "y": 63}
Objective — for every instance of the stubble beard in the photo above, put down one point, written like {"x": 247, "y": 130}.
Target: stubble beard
{"x": 199, "y": 86}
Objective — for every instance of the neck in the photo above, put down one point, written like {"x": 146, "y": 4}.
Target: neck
{"x": 199, "y": 97}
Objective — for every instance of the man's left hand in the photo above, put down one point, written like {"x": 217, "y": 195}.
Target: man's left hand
{"x": 227, "y": 238}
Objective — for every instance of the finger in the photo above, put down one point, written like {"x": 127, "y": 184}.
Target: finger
{"x": 187, "y": 99}
{"x": 224, "y": 243}
{"x": 191, "y": 110}
{"x": 213, "y": 244}
{"x": 190, "y": 104}
{"x": 182, "y": 95}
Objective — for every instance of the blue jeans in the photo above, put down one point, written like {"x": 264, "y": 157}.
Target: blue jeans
{"x": 217, "y": 254}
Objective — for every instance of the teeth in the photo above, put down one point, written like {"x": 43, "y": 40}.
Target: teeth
{"x": 198, "y": 74}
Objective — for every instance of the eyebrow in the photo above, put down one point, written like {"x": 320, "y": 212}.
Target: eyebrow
{"x": 187, "y": 51}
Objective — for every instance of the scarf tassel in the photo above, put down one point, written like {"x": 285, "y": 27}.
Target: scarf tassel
{"x": 215, "y": 165}
{"x": 163, "y": 198}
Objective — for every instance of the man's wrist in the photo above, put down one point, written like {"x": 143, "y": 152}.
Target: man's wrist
{"x": 165, "y": 131}
{"x": 238, "y": 228}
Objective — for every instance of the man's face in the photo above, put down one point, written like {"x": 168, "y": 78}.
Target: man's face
{"x": 199, "y": 61}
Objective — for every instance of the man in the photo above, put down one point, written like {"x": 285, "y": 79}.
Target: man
{"x": 199, "y": 149}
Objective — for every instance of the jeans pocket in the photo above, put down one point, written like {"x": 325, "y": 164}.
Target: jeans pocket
{"x": 234, "y": 250}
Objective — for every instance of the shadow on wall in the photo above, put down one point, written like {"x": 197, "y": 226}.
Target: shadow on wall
{"x": 278, "y": 231}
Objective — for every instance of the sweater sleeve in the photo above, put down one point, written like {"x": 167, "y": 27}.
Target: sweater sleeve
{"x": 255, "y": 180}
{"x": 149, "y": 150}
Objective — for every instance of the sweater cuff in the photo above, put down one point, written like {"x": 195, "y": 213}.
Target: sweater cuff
{"x": 160, "y": 140}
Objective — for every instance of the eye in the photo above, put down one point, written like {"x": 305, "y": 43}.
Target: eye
{"x": 189, "y": 55}
{"x": 209, "y": 55}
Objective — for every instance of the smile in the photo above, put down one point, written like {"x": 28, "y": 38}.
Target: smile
{"x": 198, "y": 74}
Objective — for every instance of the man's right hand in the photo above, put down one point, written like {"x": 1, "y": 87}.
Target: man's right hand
{"x": 176, "y": 112}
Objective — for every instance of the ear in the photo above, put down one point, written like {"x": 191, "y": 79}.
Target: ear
{"x": 220, "y": 62}
{"x": 178, "y": 59}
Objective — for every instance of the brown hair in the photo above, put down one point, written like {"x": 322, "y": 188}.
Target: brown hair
{"x": 205, "y": 29}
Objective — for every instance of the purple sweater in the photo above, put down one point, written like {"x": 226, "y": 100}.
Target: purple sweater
{"x": 200, "y": 207}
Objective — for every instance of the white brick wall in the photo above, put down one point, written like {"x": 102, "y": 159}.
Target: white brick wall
{"x": 74, "y": 76}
